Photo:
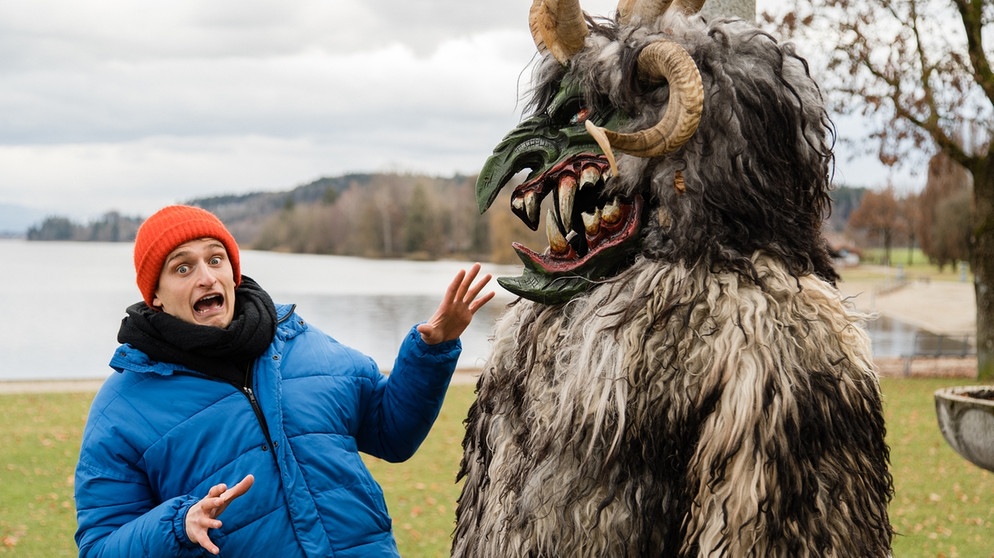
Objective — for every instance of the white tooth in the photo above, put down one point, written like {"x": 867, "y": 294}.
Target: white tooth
{"x": 567, "y": 193}
{"x": 557, "y": 242}
{"x": 518, "y": 203}
{"x": 592, "y": 222}
{"x": 532, "y": 207}
{"x": 612, "y": 212}
{"x": 589, "y": 177}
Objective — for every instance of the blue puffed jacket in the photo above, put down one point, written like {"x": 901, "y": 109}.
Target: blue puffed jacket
{"x": 159, "y": 436}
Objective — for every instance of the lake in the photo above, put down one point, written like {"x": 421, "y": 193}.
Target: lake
{"x": 64, "y": 301}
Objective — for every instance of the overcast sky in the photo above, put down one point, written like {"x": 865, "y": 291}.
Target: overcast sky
{"x": 114, "y": 104}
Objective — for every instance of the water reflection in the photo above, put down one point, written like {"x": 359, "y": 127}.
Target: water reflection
{"x": 892, "y": 338}
{"x": 376, "y": 325}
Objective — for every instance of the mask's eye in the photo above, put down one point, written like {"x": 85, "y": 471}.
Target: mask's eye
{"x": 581, "y": 116}
{"x": 569, "y": 112}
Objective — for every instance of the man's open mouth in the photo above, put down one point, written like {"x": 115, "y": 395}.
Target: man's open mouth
{"x": 582, "y": 222}
{"x": 208, "y": 303}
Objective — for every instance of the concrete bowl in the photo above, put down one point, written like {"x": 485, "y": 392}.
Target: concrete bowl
{"x": 966, "y": 419}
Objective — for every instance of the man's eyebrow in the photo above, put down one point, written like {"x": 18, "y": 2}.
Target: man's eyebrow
{"x": 217, "y": 244}
{"x": 178, "y": 255}
{"x": 184, "y": 253}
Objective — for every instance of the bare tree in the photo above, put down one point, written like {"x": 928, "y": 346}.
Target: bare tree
{"x": 919, "y": 73}
{"x": 909, "y": 211}
{"x": 879, "y": 216}
{"x": 941, "y": 239}
{"x": 951, "y": 234}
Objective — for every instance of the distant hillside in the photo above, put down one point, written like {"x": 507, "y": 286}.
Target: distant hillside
{"x": 245, "y": 214}
{"x": 368, "y": 215}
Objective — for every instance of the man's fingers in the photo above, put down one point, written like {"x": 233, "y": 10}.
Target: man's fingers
{"x": 452, "y": 293}
{"x": 199, "y": 532}
{"x": 475, "y": 291}
{"x": 466, "y": 281}
{"x": 207, "y": 544}
{"x": 478, "y": 303}
{"x": 241, "y": 488}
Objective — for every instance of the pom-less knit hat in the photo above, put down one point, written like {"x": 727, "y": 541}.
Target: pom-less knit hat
{"x": 168, "y": 228}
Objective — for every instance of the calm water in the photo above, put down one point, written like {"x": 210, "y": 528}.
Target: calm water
{"x": 63, "y": 303}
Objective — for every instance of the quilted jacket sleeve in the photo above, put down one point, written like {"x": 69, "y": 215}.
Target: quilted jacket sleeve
{"x": 403, "y": 406}
{"x": 117, "y": 510}
{"x": 158, "y": 532}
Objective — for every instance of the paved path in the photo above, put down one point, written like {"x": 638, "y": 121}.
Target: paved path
{"x": 943, "y": 307}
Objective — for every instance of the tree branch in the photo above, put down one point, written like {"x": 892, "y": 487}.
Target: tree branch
{"x": 972, "y": 14}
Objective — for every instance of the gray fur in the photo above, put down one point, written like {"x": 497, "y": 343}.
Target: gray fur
{"x": 717, "y": 397}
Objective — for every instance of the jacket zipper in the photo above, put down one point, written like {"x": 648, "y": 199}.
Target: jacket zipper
{"x": 246, "y": 389}
{"x": 262, "y": 421}
{"x": 253, "y": 402}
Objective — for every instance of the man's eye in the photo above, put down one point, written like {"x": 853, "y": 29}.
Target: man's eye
{"x": 216, "y": 260}
{"x": 183, "y": 269}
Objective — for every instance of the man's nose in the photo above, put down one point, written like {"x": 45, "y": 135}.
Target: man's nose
{"x": 206, "y": 275}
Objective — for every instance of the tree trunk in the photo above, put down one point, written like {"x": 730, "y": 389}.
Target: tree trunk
{"x": 983, "y": 267}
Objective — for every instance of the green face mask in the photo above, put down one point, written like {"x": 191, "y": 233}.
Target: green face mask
{"x": 590, "y": 234}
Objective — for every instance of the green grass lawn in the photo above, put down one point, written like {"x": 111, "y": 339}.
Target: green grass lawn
{"x": 942, "y": 506}
{"x": 913, "y": 266}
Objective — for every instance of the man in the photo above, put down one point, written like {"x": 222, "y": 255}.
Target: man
{"x": 216, "y": 384}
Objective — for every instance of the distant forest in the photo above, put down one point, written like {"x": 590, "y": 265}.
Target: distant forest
{"x": 367, "y": 215}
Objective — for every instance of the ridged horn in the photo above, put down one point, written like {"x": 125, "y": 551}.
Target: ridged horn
{"x": 650, "y": 10}
{"x": 663, "y": 59}
{"x": 558, "y": 25}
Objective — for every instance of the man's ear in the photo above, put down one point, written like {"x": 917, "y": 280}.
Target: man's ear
{"x": 156, "y": 303}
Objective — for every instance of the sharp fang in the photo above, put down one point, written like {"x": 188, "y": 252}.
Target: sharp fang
{"x": 589, "y": 177}
{"x": 567, "y": 193}
{"x": 612, "y": 212}
{"x": 557, "y": 242}
{"x": 592, "y": 222}
{"x": 532, "y": 207}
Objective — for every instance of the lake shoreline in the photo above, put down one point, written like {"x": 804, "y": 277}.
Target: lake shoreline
{"x": 463, "y": 376}
{"x": 892, "y": 367}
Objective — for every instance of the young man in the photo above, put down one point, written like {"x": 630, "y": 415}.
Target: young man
{"x": 216, "y": 384}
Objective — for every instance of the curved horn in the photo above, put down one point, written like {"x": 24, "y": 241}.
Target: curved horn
{"x": 649, "y": 10}
{"x": 646, "y": 10}
{"x": 558, "y": 25}
{"x": 663, "y": 59}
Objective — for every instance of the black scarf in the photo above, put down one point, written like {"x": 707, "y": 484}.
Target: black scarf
{"x": 224, "y": 353}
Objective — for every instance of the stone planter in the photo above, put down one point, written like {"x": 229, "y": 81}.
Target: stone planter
{"x": 966, "y": 419}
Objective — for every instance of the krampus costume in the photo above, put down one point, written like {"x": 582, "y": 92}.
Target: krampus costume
{"x": 682, "y": 377}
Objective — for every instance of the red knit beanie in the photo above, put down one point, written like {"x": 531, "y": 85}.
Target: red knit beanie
{"x": 168, "y": 228}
